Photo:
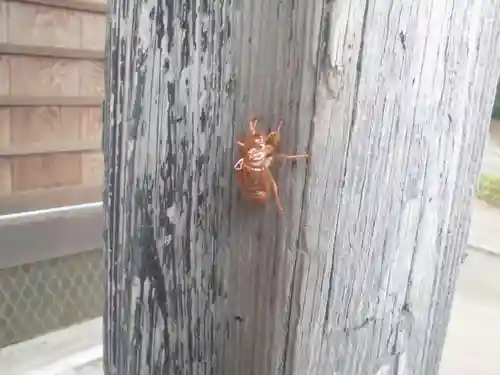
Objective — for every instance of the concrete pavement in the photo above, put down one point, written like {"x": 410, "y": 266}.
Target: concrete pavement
{"x": 471, "y": 346}
{"x": 484, "y": 234}
{"x": 491, "y": 158}
{"x": 78, "y": 347}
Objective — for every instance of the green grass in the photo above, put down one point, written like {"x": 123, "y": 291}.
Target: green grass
{"x": 489, "y": 189}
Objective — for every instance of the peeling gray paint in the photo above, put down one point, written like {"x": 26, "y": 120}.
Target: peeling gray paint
{"x": 392, "y": 100}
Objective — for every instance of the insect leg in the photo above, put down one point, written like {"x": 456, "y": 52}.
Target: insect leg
{"x": 239, "y": 165}
{"x": 274, "y": 186}
{"x": 280, "y": 124}
{"x": 241, "y": 145}
{"x": 286, "y": 156}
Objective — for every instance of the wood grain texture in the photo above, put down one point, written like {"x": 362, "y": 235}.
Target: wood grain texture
{"x": 5, "y": 177}
{"x": 43, "y": 76}
{"x": 3, "y": 21}
{"x": 36, "y": 169}
{"x": 36, "y": 130}
{"x": 43, "y": 51}
{"x": 50, "y": 148}
{"x": 50, "y": 101}
{"x": 93, "y": 31}
{"x": 38, "y": 76}
{"x": 94, "y": 6}
{"x": 4, "y": 75}
{"x": 28, "y": 24}
{"x": 90, "y": 124}
{"x": 392, "y": 100}
{"x": 92, "y": 168}
{"x": 91, "y": 78}
{"x": 5, "y": 126}
{"x": 33, "y": 172}
{"x": 37, "y": 25}
{"x": 44, "y": 125}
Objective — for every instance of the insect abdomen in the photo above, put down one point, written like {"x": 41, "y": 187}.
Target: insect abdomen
{"x": 252, "y": 186}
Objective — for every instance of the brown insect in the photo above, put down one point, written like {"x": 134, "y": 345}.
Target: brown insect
{"x": 257, "y": 151}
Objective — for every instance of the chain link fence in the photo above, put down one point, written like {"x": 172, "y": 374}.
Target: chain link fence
{"x": 49, "y": 295}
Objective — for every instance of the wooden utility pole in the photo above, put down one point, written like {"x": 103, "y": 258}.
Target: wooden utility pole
{"x": 392, "y": 100}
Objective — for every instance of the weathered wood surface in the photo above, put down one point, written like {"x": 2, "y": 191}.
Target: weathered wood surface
{"x": 392, "y": 100}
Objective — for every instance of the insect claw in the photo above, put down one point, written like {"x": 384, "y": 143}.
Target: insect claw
{"x": 280, "y": 124}
{"x": 239, "y": 165}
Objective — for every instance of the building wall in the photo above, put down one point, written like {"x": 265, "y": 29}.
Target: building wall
{"x": 51, "y": 88}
